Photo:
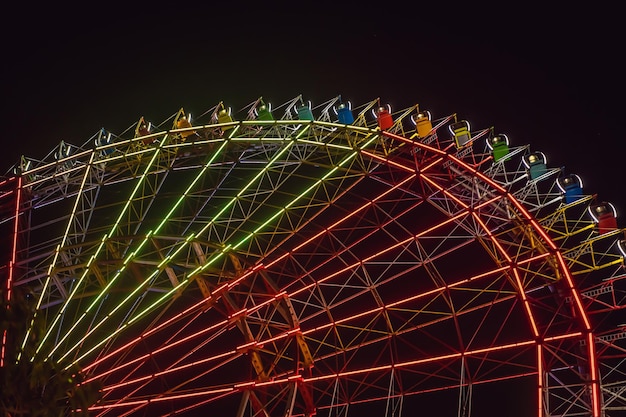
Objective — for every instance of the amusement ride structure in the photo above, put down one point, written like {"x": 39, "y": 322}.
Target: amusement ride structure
{"x": 329, "y": 260}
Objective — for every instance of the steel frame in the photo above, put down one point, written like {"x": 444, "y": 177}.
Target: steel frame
{"x": 292, "y": 267}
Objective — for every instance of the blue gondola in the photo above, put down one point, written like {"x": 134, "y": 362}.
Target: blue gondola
{"x": 571, "y": 186}
{"x": 104, "y": 138}
{"x": 344, "y": 114}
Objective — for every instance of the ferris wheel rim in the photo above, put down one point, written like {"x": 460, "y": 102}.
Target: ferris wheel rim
{"x": 447, "y": 156}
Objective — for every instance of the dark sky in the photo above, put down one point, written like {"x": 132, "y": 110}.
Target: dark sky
{"x": 546, "y": 76}
{"x": 550, "y": 77}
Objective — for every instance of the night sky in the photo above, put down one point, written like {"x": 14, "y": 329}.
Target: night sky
{"x": 551, "y": 77}
{"x": 548, "y": 77}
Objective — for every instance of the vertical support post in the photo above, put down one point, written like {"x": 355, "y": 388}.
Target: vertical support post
{"x": 596, "y": 401}
{"x": 8, "y": 286}
{"x": 465, "y": 392}
{"x": 243, "y": 405}
{"x": 540, "y": 381}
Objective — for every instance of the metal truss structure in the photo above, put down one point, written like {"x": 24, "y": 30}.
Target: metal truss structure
{"x": 285, "y": 264}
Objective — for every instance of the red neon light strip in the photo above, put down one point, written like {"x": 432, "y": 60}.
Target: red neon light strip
{"x": 11, "y": 272}
{"x": 423, "y": 233}
{"x": 532, "y": 221}
{"x": 289, "y": 379}
{"x": 524, "y": 212}
{"x": 432, "y": 164}
{"x": 446, "y": 192}
{"x": 274, "y": 339}
{"x": 288, "y": 333}
{"x": 239, "y": 350}
{"x": 492, "y": 237}
{"x": 574, "y": 292}
{"x": 167, "y": 371}
{"x": 18, "y": 197}
{"x": 261, "y": 343}
{"x": 487, "y": 180}
{"x": 232, "y": 284}
{"x": 548, "y": 339}
{"x": 338, "y": 222}
{"x": 526, "y": 303}
{"x": 170, "y": 320}
{"x": 595, "y": 384}
{"x": 402, "y": 301}
{"x": 591, "y": 351}
{"x": 398, "y": 303}
{"x": 374, "y": 156}
{"x": 185, "y": 339}
{"x": 413, "y": 170}
{"x": 592, "y": 355}
{"x": 412, "y": 142}
{"x": 161, "y": 399}
{"x": 224, "y": 287}
{"x": 534, "y": 224}
{"x": 373, "y": 256}
{"x": 433, "y": 183}
{"x": 432, "y": 359}
{"x": 424, "y": 391}
{"x": 518, "y": 280}
{"x": 196, "y": 405}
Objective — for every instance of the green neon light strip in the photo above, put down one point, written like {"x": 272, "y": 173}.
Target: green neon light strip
{"x": 127, "y": 324}
{"x": 145, "y": 240}
{"x": 157, "y": 271}
{"x": 282, "y": 210}
{"x": 227, "y": 248}
{"x": 346, "y": 319}
{"x": 165, "y": 297}
{"x": 171, "y": 256}
{"x": 294, "y": 201}
{"x": 95, "y": 255}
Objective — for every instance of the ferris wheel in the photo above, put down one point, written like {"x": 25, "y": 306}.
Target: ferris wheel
{"x": 330, "y": 260}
